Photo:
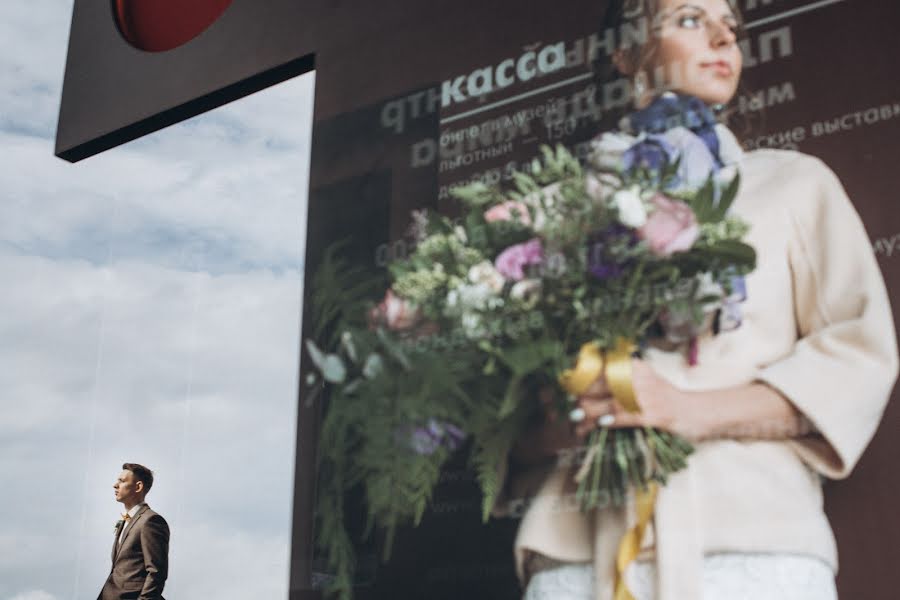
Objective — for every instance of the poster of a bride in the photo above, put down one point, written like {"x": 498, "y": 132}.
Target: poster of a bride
{"x": 658, "y": 354}
{"x": 793, "y": 393}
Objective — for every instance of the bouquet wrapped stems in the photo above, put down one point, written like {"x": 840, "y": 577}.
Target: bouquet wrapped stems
{"x": 619, "y": 459}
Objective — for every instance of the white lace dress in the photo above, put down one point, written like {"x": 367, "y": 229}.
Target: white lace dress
{"x": 726, "y": 576}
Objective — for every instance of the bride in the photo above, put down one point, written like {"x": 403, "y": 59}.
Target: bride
{"x": 792, "y": 395}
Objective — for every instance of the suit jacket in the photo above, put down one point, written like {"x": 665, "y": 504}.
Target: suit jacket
{"x": 140, "y": 563}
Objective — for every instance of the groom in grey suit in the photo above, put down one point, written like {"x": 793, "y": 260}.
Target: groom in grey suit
{"x": 140, "y": 552}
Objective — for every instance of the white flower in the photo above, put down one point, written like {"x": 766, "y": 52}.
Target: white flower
{"x": 495, "y": 302}
{"x": 594, "y": 188}
{"x": 541, "y": 202}
{"x": 726, "y": 175}
{"x": 452, "y": 299}
{"x": 472, "y": 325}
{"x": 601, "y": 186}
{"x": 730, "y": 150}
{"x": 461, "y": 234}
{"x": 631, "y": 207}
{"x": 679, "y": 319}
{"x": 708, "y": 288}
{"x": 607, "y": 150}
{"x": 418, "y": 228}
{"x": 474, "y": 296}
{"x": 527, "y": 291}
{"x": 485, "y": 274}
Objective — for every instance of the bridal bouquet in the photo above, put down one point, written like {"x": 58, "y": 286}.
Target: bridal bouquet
{"x": 552, "y": 284}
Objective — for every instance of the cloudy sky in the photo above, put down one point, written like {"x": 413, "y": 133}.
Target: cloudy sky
{"x": 149, "y": 314}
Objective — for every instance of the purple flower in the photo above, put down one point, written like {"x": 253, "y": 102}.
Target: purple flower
{"x": 732, "y": 315}
{"x": 738, "y": 288}
{"x": 513, "y": 260}
{"x": 653, "y": 153}
{"x": 697, "y": 162}
{"x": 657, "y": 150}
{"x": 601, "y": 262}
{"x": 429, "y": 438}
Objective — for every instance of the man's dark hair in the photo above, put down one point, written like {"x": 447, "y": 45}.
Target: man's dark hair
{"x": 141, "y": 473}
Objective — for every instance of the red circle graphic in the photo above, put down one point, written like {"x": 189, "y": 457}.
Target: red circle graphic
{"x": 160, "y": 25}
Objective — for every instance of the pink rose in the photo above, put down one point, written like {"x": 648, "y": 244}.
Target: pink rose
{"x": 512, "y": 261}
{"x": 671, "y": 227}
{"x": 395, "y": 313}
{"x": 508, "y": 211}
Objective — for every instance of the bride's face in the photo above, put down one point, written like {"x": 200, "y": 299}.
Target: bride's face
{"x": 697, "y": 47}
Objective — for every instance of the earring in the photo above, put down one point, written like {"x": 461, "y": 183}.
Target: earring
{"x": 722, "y": 112}
{"x": 640, "y": 87}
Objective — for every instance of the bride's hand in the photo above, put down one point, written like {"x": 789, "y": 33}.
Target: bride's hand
{"x": 663, "y": 406}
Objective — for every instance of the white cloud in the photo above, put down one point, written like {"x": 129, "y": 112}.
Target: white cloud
{"x": 33, "y": 37}
{"x": 34, "y": 595}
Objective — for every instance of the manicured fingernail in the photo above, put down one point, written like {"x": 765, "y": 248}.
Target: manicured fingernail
{"x": 577, "y": 415}
{"x": 606, "y": 420}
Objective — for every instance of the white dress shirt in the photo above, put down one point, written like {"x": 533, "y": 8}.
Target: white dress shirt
{"x": 131, "y": 513}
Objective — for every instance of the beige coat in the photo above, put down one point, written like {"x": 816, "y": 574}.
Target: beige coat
{"x": 817, "y": 327}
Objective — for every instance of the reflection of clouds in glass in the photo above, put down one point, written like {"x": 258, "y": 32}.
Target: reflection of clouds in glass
{"x": 150, "y": 313}
{"x": 34, "y": 595}
{"x": 132, "y": 203}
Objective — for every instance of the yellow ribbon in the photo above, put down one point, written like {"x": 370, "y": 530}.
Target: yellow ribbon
{"x": 618, "y": 375}
{"x": 630, "y": 544}
{"x": 590, "y": 365}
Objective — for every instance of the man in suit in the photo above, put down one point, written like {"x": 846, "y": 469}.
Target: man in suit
{"x": 140, "y": 552}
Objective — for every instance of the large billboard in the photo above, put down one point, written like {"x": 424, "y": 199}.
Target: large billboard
{"x": 413, "y": 99}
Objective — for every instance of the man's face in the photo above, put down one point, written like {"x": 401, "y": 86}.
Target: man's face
{"x": 128, "y": 491}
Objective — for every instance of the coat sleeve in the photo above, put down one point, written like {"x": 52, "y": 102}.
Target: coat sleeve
{"x": 843, "y": 366}
{"x": 155, "y": 546}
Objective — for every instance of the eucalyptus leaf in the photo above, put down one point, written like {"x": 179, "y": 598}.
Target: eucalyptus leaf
{"x": 394, "y": 349}
{"x": 728, "y": 196}
{"x": 373, "y": 366}
{"x": 330, "y": 365}
{"x": 531, "y": 356}
{"x": 349, "y": 346}
{"x": 511, "y": 399}
{"x": 351, "y": 387}
{"x": 333, "y": 370}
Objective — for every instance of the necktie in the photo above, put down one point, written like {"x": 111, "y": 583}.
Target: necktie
{"x": 125, "y": 518}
